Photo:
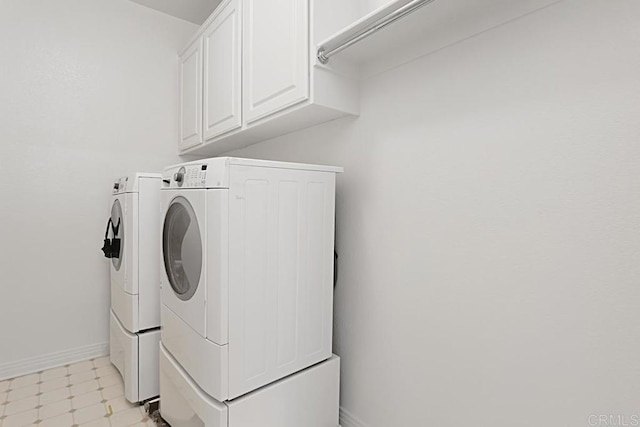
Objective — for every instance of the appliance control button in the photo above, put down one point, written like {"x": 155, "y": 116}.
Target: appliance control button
{"x": 179, "y": 176}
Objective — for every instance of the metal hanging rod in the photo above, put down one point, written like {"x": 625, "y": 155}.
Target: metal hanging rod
{"x": 327, "y": 50}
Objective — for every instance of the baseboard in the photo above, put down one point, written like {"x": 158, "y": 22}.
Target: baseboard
{"x": 348, "y": 420}
{"x": 51, "y": 360}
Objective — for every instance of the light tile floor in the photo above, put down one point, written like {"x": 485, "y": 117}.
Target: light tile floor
{"x": 88, "y": 393}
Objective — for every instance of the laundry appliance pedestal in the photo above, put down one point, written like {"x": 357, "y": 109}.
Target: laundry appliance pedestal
{"x": 307, "y": 398}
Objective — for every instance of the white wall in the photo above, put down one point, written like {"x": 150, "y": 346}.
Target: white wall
{"x": 488, "y": 227}
{"x": 88, "y": 92}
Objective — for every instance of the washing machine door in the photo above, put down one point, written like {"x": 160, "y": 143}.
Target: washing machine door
{"x": 183, "y": 253}
{"x": 124, "y": 214}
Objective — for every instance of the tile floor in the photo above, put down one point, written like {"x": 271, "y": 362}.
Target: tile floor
{"x": 88, "y": 393}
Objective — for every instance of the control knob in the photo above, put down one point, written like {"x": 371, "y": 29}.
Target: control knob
{"x": 179, "y": 176}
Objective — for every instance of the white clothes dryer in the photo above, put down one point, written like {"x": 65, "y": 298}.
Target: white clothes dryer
{"x": 132, "y": 243}
{"x": 247, "y": 283}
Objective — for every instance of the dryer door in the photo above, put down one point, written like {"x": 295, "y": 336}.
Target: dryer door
{"x": 124, "y": 268}
{"x": 117, "y": 232}
{"x": 183, "y": 253}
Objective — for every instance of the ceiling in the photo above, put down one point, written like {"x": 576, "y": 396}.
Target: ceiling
{"x": 196, "y": 11}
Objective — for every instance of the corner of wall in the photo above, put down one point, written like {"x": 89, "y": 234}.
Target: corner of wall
{"x": 349, "y": 420}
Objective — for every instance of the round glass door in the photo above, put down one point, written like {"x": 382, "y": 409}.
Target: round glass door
{"x": 118, "y": 232}
{"x": 182, "y": 248}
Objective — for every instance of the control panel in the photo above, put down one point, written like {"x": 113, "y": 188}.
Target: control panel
{"x": 187, "y": 176}
{"x": 120, "y": 185}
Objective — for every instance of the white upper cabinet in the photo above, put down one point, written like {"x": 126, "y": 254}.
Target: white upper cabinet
{"x": 275, "y": 52}
{"x": 254, "y": 67}
{"x": 222, "y": 44}
{"x": 191, "y": 96}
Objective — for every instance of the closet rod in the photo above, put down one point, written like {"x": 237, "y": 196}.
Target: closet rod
{"x": 328, "y": 49}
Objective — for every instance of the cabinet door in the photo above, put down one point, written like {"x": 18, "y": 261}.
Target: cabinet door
{"x": 222, "y": 72}
{"x": 276, "y": 49}
{"x": 191, "y": 96}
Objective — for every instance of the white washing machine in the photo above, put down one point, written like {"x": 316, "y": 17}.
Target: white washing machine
{"x": 247, "y": 283}
{"x": 133, "y": 231}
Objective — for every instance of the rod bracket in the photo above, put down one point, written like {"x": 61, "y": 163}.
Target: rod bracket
{"x": 322, "y": 57}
